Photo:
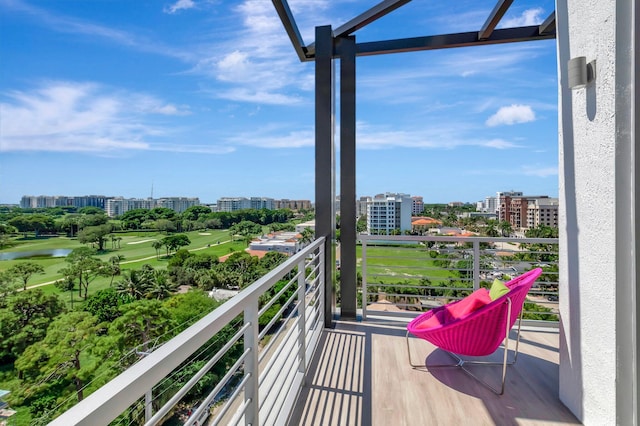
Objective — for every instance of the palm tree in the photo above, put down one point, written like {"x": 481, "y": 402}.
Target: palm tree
{"x": 157, "y": 245}
{"x": 308, "y": 235}
{"x": 134, "y": 283}
{"x": 160, "y": 286}
{"x": 114, "y": 266}
{"x": 505, "y": 228}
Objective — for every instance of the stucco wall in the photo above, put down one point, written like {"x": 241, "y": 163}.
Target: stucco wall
{"x": 587, "y": 182}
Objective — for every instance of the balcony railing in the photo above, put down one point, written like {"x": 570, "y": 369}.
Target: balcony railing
{"x": 259, "y": 344}
{"x": 266, "y": 337}
{"x": 403, "y": 275}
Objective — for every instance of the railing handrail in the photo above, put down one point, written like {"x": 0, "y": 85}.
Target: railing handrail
{"x": 456, "y": 239}
{"x": 117, "y": 395}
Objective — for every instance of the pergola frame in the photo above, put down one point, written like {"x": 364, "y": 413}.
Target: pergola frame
{"x": 341, "y": 44}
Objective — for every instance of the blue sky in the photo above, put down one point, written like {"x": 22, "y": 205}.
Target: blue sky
{"x": 206, "y": 98}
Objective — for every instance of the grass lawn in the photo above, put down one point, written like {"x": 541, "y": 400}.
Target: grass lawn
{"x": 393, "y": 265}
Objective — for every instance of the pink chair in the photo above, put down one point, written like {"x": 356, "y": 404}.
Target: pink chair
{"x": 475, "y": 326}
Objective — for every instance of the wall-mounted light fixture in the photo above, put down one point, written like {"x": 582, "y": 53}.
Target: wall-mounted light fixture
{"x": 580, "y": 72}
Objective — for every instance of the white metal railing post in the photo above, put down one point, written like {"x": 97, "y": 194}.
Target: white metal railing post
{"x": 148, "y": 405}
{"x": 364, "y": 279}
{"x": 302, "y": 312}
{"x": 322, "y": 280}
{"x": 251, "y": 364}
{"x": 476, "y": 264}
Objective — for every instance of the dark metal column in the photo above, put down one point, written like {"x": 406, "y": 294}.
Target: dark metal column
{"x": 325, "y": 161}
{"x": 346, "y": 47}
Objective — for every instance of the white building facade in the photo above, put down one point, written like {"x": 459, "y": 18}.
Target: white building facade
{"x": 389, "y": 212}
{"x": 119, "y": 205}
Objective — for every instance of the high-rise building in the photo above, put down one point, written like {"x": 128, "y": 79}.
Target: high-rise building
{"x": 361, "y": 206}
{"x": 43, "y": 201}
{"x": 119, "y": 205}
{"x": 524, "y": 212}
{"x": 417, "y": 205}
{"x": 542, "y": 211}
{"x": 231, "y": 204}
{"x": 388, "y": 212}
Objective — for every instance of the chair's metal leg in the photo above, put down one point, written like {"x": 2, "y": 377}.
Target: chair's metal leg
{"x": 409, "y": 354}
{"x": 458, "y": 363}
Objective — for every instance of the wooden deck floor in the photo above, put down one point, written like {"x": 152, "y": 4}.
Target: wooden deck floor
{"x": 361, "y": 376}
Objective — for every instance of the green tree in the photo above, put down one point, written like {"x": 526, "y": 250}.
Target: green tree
{"x": 133, "y": 219}
{"x": 157, "y": 245}
{"x": 24, "y": 271}
{"x": 8, "y": 287}
{"x": 93, "y": 219}
{"x": 84, "y": 267}
{"x": 160, "y": 286}
{"x": 112, "y": 268}
{"x": 36, "y": 223}
{"x": 505, "y": 228}
{"x": 143, "y": 325}
{"x": 94, "y": 235}
{"x": 105, "y": 304}
{"x": 165, "y": 225}
{"x": 174, "y": 242}
{"x": 246, "y": 228}
{"x": 308, "y": 235}
{"x": 272, "y": 259}
{"x": 61, "y": 354}
{"x": 70, "y": 223}
{"x": 25, "y": 319}
{"x": 194, "y": 213}
{"x": 133, "y": 283}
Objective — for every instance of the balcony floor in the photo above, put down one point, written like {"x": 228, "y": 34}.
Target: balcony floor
{"x": 360, "y": 375}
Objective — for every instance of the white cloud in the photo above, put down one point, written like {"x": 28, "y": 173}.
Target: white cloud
{"x": 272, "y": 137}
{"x": 528, "y": 17}
{"x": 511, "y": 115}
{"x": 180, "y": 5}
{"x": 80, "y": 117}
{"x": 445, "y": 136}
{"x": 261, "y": 97}
{"x": 258, "y": 63}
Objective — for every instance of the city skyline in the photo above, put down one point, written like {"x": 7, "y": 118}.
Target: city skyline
{"x": 207, "y": 99}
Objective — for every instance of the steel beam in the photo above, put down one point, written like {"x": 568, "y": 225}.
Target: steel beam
{"x": 448, "y": 41}
{"x": 549, "y": 24}
{"x": 373, "y": 14}
{"x": 325, "y": 160}
{"x": 494, "y": 18}
{"x": 346, "y": 46}
{"x": 289, "y": 23}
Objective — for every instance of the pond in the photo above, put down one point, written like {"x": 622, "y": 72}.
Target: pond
{"x": 35, "y": 253}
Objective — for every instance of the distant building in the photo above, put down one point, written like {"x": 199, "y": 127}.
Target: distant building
{"x": 417, "y": 205}
{"x": 44, "y": 201}
{"x": 120, "y": 205}
{"x": 361, "y": 206}
{"x": 421, "y": 224}
{"x": 456, "y": 204}
{"x": 542, "y": 211}
{"x": 525, "y": 212}
{"x": 295, "y": 205}
{"x": 284, "y": 242}
{"x": 232, "y": 204}
{"x": 388, "y": 212}
{"x": 302, "y": 226}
